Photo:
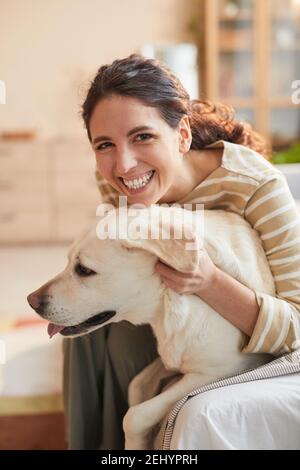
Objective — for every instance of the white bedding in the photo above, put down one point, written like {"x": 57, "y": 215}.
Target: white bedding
{"x": 33, "y": 363}
{"x": 264, "y": 414}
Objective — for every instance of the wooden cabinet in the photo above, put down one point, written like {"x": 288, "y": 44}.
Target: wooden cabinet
{"x": 24, "y": 192}
{"x": 250, "y": 53}
{"x": 74, "y": 189}
{"x": 47, "y": 190}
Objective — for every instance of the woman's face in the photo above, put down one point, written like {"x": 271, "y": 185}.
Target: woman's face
{"x": 137, "y": 152}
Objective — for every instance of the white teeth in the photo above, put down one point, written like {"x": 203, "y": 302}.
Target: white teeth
{"x": 140, "y": 182}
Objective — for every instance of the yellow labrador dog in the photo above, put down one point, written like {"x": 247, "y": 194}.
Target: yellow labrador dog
{"x": 112, "y": 278}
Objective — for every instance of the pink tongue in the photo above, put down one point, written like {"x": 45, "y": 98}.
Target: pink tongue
{"x": 53, "y": 329}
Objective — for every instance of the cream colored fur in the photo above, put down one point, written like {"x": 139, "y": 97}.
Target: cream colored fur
{"x": 192, "y": 338}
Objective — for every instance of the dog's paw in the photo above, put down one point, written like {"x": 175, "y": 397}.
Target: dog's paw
{"x": 133, "y": 421}
{"x": 138, "y": 436}
{"x": 138, "y": 443}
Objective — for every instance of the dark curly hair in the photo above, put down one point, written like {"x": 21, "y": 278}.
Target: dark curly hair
{"x": 155, "y": 85}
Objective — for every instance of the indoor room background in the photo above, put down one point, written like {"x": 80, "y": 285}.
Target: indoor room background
{"x": 242, "y": 52}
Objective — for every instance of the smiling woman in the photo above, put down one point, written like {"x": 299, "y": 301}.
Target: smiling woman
{"x": 145, "y": 167}
{"x": 154, "y": 145}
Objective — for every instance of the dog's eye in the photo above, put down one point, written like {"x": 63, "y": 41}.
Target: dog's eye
{"x": 83, "y": 271}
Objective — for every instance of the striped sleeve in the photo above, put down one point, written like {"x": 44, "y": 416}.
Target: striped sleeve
{"x": 108, "y": 194}
{"x": 272, "y": 212}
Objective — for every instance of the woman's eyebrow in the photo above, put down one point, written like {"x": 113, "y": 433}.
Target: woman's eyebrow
{"x": 133, "y": 131}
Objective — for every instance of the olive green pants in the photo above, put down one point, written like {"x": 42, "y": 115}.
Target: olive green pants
{"x": 98, "y": 368}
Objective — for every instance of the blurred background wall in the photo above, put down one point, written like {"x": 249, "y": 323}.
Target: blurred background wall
{"x": 50, "y": 49}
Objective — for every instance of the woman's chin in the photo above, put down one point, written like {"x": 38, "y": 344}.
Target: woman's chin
{"x": 146, "y": 200}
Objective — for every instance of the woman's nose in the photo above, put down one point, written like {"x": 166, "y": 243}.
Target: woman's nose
{"x": 125, "y": 162}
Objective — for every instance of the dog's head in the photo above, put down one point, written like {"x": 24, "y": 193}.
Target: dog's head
{"x": 112, "y": 278}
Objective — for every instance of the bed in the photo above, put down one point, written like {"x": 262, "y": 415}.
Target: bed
{"x": 31, "y": 410}
{"x": 30, "y": 386}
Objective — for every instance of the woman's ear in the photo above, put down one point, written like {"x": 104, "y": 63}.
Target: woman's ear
{"x": 185, "y": 134}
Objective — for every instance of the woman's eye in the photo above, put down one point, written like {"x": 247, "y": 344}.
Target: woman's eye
{"x": 81, "y": 270}
{"x": 144, "y": 136}
{"x": 139, "y": 138}
{"x": 103, "y": 146}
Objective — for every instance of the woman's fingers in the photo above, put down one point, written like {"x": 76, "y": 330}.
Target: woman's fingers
{"x": 169, "y": 272}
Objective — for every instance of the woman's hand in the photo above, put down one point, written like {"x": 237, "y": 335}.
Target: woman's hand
{"x": 188, "y": 283}
{"x": 227, "y": 296}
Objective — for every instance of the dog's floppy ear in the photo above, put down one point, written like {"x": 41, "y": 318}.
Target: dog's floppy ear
{"x": 171, "y": 233}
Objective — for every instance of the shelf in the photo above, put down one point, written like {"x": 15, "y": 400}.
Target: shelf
{"x": 283, "y": 18}
{"x": 236, "y": 102}
{"x": 294, "y": 48}
{"x": 240, "y": 49}
{"x": 251, "y": 60}
{"x": 281, "y": 102}
{"x": 239, "y": 17}
{"x": 282, "y": 144}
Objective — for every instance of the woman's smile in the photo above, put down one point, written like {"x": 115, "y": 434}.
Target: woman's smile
{"x": 139, "y": 183}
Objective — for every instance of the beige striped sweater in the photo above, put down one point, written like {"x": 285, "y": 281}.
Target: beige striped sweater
{"x": 247, "y": 184}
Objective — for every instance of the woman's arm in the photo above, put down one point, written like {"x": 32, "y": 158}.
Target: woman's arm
{"x": 272, "y": 323}
{"x": 234, "y": 301}
{"x": 272, "y": 212}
